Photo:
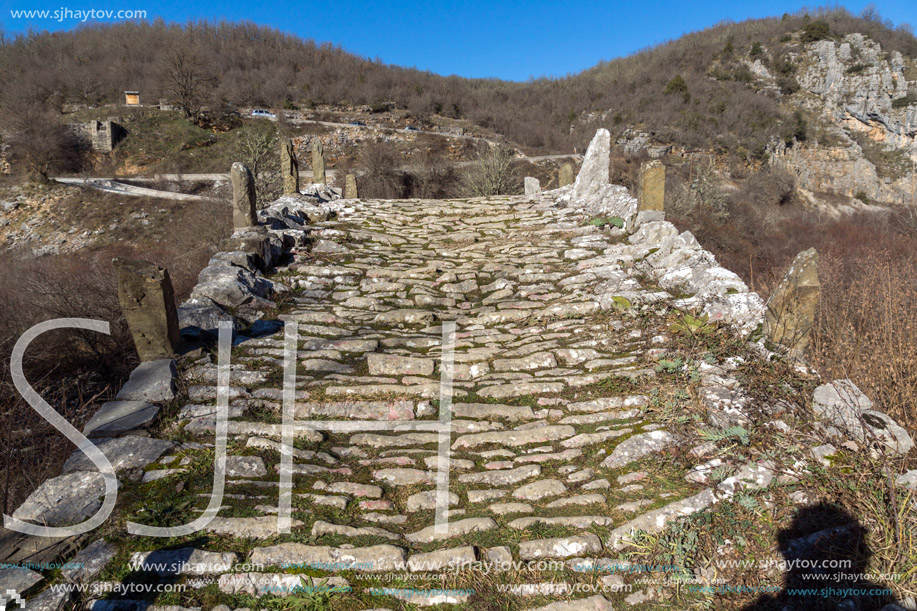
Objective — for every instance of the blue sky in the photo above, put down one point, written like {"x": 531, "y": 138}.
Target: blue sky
{"x": 510, "y": 39}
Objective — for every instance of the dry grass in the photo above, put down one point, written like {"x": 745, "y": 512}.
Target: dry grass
{"x": 867, "y": 329}
{"x": 76, "y": 371}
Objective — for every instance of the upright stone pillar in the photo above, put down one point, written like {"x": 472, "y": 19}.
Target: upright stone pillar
{"x": 318, "y": 162}
{"x": 289, "y": 168}
{"x": 148, "y": 302}
{"x": 790, "y": 313}
{"x": 651, "y": 187}
{"x": 350, "y": 187}
{"x": 565, "y": 175}
{"x": 244, "y": 211}
{"x": 532, "y": 185}
{"x": 593, "y": 176}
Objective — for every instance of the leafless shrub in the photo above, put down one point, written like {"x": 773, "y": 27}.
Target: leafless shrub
{"x": 379, "y": 176}
{"x": 491, "y": 173}
{"x": 258, "y": 149}
{"x": 76, "y": 370}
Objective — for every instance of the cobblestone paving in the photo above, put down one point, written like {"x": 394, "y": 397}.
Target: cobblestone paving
{"x": 555, "y": 451}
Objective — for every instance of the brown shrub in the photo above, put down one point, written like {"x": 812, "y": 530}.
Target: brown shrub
{"x": 867, "y": 327}
{"x": 73, "y": 370}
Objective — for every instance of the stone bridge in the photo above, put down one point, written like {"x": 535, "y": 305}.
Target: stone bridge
{"x": 574, "y": 425}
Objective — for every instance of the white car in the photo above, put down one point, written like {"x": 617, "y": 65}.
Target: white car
{"x": 263, "y": 113}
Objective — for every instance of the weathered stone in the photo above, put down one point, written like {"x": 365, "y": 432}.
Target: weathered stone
{"x": 350, "y": 187}
{"x": 515, "y": 438}
{"x": 289, "y": 167}
{"x": 532, "y": 185}
{"x": 148, "y": 302}
{"x": 503, "y": 509}
{"x": 428, "y": 598}
{"x": 49, "y": 600}
{"x": 579, "y": 499}
{"x": 560, "y": 547}
{"x": 456, "y": 528}
{"x": 117, "y": 417}
{"x": 844, "y": 406}
{"x": 442, "y": 559}
{"x": 580, "y": 522}
{"x": 393, "y": 441}
{"x": 585, "y": 439}
{"x": 651, "y": 186}
{"x": 487, "y": 411}
{"x": 358, "y": 410}
{"x": 247, "y": 528}
{"x": 654, "y": 521}
{"x": 320, "y": 528}
{"x": 152, "y": 476}
{"x": 90, "y": 561}
{"x": 244, "y": 201}
{"x": 592, "y": 603}
{"x": 593, "y": 175}
{"x": 504, "y": 391}
{"x": 540, "y": 490}
{"x": 374, "y": 559}
{"x": 152, "y": 381}
{"x": 124, "y": 453}
{"x": 64, "y": 500}
{"x": 420, "y": 501}
{"x": 205, "y": 314}
{"x": 245, "y": 466}
{"x": 318, "y": 162}
{"x": 638, "y": 446}
{"x": 393, "y": 364}
{"x": 542, "y": 360}
{"x": 501, "y": 477}
{"x": 565, "y": 175}
{"x": 403, "y": 477}
{"x": 907, "y": 480}
{"x": 354, "y": 489}
{"x": 273, "y": 584}
{"x": 404, "y": 317}
{"x": 752, "y": 476}
{"x": 19, "y": 579}
{"x": 482, "y": 496}
{"x": 183, "y": 561}
{"x": 790, "y": 312}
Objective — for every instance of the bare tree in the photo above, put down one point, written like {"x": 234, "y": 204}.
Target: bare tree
{"x": 491, "y": 174}
{"x": 185, "y": 78}
{"x": 39, "y": 143}
{"x": 257, "y": 149}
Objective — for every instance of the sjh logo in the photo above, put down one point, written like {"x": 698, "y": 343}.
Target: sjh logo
{"x": 11, "y": 596}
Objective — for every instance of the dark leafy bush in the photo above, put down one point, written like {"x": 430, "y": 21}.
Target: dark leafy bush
{"x": 815, "y": 30}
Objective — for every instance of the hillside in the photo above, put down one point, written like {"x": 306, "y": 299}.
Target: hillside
{"x": 720, "y": 105}
{"x": 614, "y": 396}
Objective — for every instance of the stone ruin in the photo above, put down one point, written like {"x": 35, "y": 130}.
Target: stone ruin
{"x": 532, "y": 186}
{"x": 289, "y": 168}
{"x": 565, "y": 175}
{"x": 318, "y": 162}
{"x": 99, "y": 136}
{"x": 148, "y": 302}
{"x": 790, "y": 313}
{"x": 244, "y": 200}
{"x": 350, "y": 187}
{"x": 551, "y": 446}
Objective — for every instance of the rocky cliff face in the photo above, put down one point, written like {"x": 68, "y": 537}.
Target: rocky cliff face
{"x": 869, "y": 140}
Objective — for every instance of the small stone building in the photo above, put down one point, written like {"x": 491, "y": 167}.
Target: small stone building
{"x": 99, "y": 136}
{"x": 132, "y": 98}
{"x": 104, "y": 135}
